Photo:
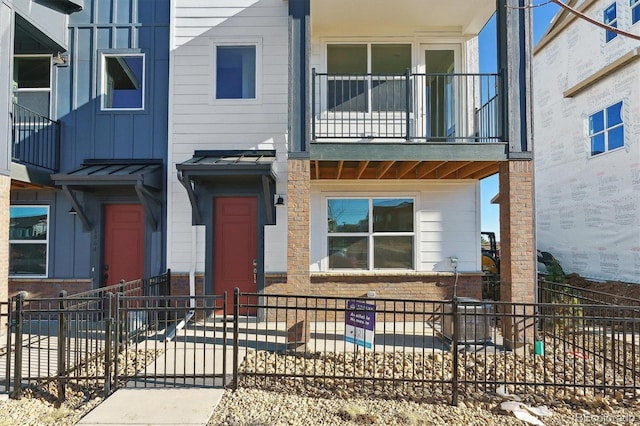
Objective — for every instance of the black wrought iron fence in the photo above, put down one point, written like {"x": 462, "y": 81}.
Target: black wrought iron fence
{"x": 435, "y": 350}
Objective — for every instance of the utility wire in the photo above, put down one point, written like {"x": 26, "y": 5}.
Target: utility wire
{"x": 595, "y": 22}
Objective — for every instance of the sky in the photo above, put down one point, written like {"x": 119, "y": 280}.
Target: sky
{"x": 542, "y": 16}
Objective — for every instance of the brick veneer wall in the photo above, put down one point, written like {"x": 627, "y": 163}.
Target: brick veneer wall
{"x": 517, "y": 242}
{"x": 391, "y": 286}
{"x": 44, "y": 288}
{"x": 298, "y": 219}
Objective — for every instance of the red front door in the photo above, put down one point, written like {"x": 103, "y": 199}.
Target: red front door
{"x": 123, "y": 243}
{"x": 235, "y": 246}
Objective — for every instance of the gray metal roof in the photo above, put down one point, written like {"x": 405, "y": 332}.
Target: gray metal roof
{"x": 113, "y": 173}
{"x": 229, "y": 163}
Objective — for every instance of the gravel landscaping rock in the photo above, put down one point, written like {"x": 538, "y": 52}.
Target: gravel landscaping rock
{"x": 39, "y": 404}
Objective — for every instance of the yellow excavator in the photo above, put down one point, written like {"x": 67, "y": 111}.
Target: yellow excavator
{"x": 490, "y": 253}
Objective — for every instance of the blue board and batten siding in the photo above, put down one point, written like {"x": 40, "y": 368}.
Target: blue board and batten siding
{"x": 106, "y": 26}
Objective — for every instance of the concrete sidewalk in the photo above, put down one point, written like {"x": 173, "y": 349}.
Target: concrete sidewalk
{"x": 178, "y": 406}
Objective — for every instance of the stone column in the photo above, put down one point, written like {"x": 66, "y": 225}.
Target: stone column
{"x": 517, "y": 249}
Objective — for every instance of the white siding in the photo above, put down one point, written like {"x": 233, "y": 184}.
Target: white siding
{"x": 199, "y": 122}
{"x": 588, "y": 207}
{"x": 447, "y": 220}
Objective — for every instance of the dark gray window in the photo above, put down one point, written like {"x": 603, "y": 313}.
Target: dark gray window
{"x": 32, "y": 83}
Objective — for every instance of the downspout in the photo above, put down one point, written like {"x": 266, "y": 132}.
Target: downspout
{"x": 192, "y": 269}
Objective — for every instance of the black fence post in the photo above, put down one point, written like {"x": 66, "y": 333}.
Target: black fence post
{"x": 224, "y": 339}
{"x": 236, "y": 349}
{"x": 17, "y": 380}
{"x": 108, "y": 345}
{"x": 407, "y": 76}
{"x": 62, "y": 346}
{"x": 9, "y": 344}
{"x": 454, "y": 350}
{"x": 116, "y": 340}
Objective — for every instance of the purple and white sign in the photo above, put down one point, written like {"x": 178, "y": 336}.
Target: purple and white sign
{"x": 360, "y": 323}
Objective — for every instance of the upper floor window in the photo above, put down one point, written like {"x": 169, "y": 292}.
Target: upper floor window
{"x": 123, "y": 81}
{"x": 370, "y": 233}
{"x": 635, "y": 11}
{"x": 236, "y": 71}
{"x": 611, "y": 19}
{"x": 606, "y": 129}
{"x": 28, "y": 240}
{"x": 32, "y": 82}
{"x": 349, "y": 87}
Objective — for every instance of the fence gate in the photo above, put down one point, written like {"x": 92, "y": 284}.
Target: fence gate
{"x": 104, "y": 340}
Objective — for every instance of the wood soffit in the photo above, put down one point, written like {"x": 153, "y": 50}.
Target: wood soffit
{"x": 397, "y": 170}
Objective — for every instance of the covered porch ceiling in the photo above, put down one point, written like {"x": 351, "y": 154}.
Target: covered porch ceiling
{"x": 353, "y": 16}
{"x": 392, "y": 169}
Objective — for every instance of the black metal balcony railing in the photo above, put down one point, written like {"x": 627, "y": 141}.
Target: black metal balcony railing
{"x": 431, "y": 107}
{"x": 35, "y": 139}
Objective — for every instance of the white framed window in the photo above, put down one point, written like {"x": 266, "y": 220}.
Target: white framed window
{"x": 32, "y": 83}
{"x": 29, "y": 241}
{"x": 123, "y": 81}
{"x": 370, "y": 233}
{"x": 367, "y": 77}
{"x": 611, "y": 19}
{"x": 606, "y": 129}
{"x": 635, "y": 11}
{"x": 236, "y": 71}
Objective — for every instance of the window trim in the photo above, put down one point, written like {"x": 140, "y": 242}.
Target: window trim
{"x": 33, "y": 89}
{"x": 101, "y": 90}
{"x": 240, "y": 41}
{"x": 370, "y": 233}
{"x": 44, "y": 242}
{"x": 605, "y": 130}
{"x": 612, "y": 23}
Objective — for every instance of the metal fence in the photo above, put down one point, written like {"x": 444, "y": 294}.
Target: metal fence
{"x": 442, "y": 107}
{"x": 35, "y": 139}
{"x": 440, "y": 351}
{"x": 436, "y": 350}
{"x": 550, "y": 292}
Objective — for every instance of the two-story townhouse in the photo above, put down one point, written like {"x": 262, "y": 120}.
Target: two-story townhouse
{"x": 587, "y": 141}
{"x": 335, "y": 147}
{"x": 87, "y": 99}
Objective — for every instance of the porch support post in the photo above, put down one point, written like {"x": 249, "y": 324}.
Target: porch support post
{"x": 299, "y": 48}
{"x": 518, "y": 280}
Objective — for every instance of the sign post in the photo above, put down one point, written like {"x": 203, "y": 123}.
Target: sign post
{"x": 360, "y": 323}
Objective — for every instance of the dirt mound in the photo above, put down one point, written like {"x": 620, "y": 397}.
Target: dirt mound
{"x": 612, "y": 287}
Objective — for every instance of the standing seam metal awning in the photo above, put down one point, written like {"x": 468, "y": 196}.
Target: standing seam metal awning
{"x": 209, "y": 165}
{"x": 145, "y": 176}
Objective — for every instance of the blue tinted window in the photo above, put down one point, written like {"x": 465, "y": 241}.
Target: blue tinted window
{"x": 615, "y": 138}
{"x": 236, "y": 72}
{"x": 635, "y": 11}
{"x": 610, "y": 18}
{"x": 606, "y": 129}
{"x": 613, "y": 114}
{"x": 596, "y": 122}
{"x": 348, "y": 215}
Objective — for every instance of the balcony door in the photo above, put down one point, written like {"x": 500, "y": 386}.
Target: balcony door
{"x": 441, "y": 104}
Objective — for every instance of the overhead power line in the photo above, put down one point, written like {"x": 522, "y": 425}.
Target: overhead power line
{"x": 595, "y": 22}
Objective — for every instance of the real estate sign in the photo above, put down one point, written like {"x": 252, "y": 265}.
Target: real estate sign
{"x": 360, "y": 323}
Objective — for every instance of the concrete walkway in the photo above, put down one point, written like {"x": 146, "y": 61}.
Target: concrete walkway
{"x": 185, "y": 406}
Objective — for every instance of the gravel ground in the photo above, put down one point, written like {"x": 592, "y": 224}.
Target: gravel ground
{"x": 254, "y": 407}
{"x": 39, "y": 406}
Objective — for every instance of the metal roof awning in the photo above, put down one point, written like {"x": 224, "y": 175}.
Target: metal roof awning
{"x": 212, "y": 165}
{"x": 144, "y": 176}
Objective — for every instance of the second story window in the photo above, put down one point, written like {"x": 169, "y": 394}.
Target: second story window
{"x": 606, "y": 129}
{"x": 367, "y": 77}
{"x": 635, "y": 11}
{"x": 235, "y": 72}
{"x": 611, "y": 19}
{"x": 32, "y": 82}
{"x": 123, "y": 81}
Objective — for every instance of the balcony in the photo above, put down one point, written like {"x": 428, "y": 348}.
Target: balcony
{"x": 35, "y": 140}
{"x": 414, "y": 107}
